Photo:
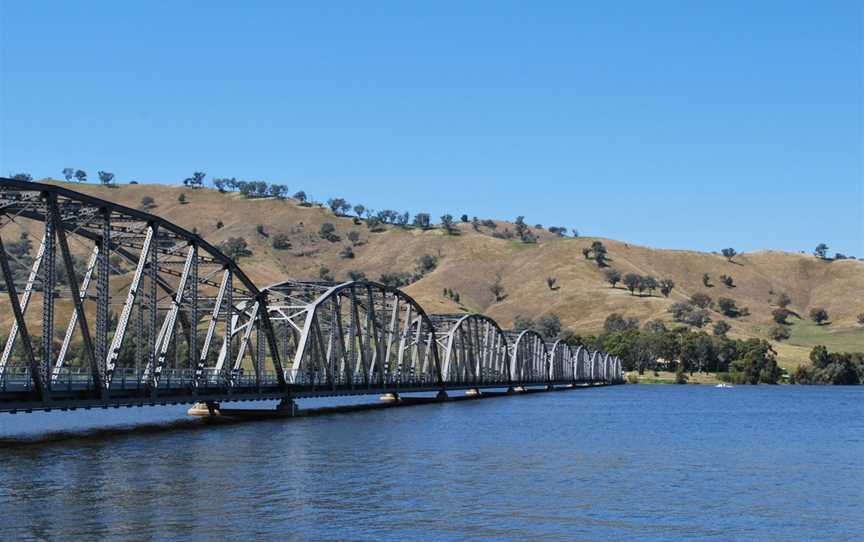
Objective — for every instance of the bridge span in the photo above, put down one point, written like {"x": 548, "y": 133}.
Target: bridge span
{"x": 118, "y": 307}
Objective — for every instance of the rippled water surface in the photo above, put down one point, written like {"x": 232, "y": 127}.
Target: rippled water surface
{"x": 622, "y": 463}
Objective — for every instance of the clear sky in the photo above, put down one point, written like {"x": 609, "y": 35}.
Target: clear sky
{"x": 674, "y": 124}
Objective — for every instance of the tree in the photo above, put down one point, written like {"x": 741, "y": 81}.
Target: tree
{"x": 648, "y": 283}
{"x": 779, "y": 333}
{"x": 758, "y": 364}
{"x": 219, "y": 224}
{"x": 521, "y": 228}
{"x": 26, "y": 177}
{"x": 358, "y": 210}
{"x": 447, "y": 223}
{"x": 196, "y": 180}
{"x": 356, "y": 275}
{"x": 783, "y": 300}
{"x": 550, "y": 282}
{"x": 522, "y": 323}
{"x": 781, "y": 315}
{"x": 260, "y": 229}
{"x": 548, "y": 326}
{"x": 422, "y": 220}
{"x": 426, "y": 264}
{"x": 721, "y": 328}
{"x": 182, "y": 199}
{"x": 666, "y": 287}
{"x": 278, "y": 191}
{"x": 613, "y": 276}
{"x": 575, "y": 232}
{"x": 354, "y": 237}
{"x": 706, "y": 280}
{"x": 632, "y": 281}
{"x": 615, "y": 323}
{"x": 324, "y": 273}
{"x": 220, "y": 184}
{"x": 328, "y": 232}
{"x": 587, "y": 253}
{"x": 701, "y": 300}
{"x": 464, "y": 218}
{"x": 81, "y": 176}
{"x": 68, "y": 173}
{"x": 235, "y": 248}
{"x": 861, "y": 319}
{"x": 147, "y": 203}
{"x": 280, "y": 241}
{"x": 821, "y": 251}
{"x": 497, "y": 289}
{"x": 729, "y": 253}
{"x": 728, "y": 281}
{"x": 655, "y": 326}
{"x": 728, "y": 307}
{"x": 300, "y": 196}
{"x": 105, "y": 177}
{"x": 818, "y": 315}
{"x": 598, "y": 250}
{"x": 337, "y": 204}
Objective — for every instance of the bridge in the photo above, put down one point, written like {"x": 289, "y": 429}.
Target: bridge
{"x": 119, "y": 307}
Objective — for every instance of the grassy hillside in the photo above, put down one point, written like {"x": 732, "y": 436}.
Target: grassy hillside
{"x": 470, "y": 261}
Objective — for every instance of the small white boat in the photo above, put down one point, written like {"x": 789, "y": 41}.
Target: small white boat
{"x": 724, "y": 385}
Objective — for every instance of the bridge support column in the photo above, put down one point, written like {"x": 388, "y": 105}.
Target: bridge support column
{"x": 287, "y": 406}
{"x": 442, "y": 396}
{"x": 390, "y": 398}
{"x": 208, "y": 408}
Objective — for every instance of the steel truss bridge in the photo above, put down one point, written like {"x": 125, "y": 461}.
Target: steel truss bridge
{"x": 118, "y": 307}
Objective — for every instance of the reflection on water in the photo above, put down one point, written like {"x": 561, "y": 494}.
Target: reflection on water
{"x": 623, "y": 463}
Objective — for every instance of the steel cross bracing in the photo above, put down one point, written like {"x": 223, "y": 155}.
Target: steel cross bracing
{"x": 116, "y": 306}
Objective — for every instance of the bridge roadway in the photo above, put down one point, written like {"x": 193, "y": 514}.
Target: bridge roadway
{"x": 155, "y": 315}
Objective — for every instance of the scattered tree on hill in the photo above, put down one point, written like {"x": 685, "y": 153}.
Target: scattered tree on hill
{"x": 575, "y": 232}
{"x": 328, "y": 232}
{"x": 688, "y": 313}
{"x": 301, "y": 197}
{"x": 616, "y": 322}
{"x": 728, "y": 281}
{"x": 613, "y": 276}
{"x": 721, "y": 328}
{"x": 781, "y": 315}
{"x": 598, "y": 252}
{"x": 235, "y": 248}
{"x": 261, "y": 231}
{"x": 26, "y": 177}
{"x": 464, "y": 218}
{"x": 779, "y": 333}
{"x": 394, "y": 279}
{"x": 497, "y": 289}
{"x": 338, "y": 205}
{"x": 706, "y": 280}
{"x": 68, "y": 173}
{"x": 196, "y": 180}
{"x": 147, "y": 203}
{"x": 219, "y": 224}
{"x": 649, "y": 283}
{"x": 550, "y": 282}
{"x": 821, "y": 251}
{"x": 729, "y": 253}
{"x": 548, "y": 326}
{"x": 356, "y": 275}
{"x": 783, "y": 300}
{"x": 182, "y": 199}
{"x": 279, "y": 191}
{"x": 280, "y": 241}
{"x": 655, "y": 326}
{"x": 560, "y": 231}
{"x": 728, "y": 307}
{"x": 354, "y": 237}
{"x": 447, "y": 224}
{"x": 818, "y": 315}
{"x": 422, "y": 220}
{"x": 105, "y": 177}
{"x": 426, "y": 264}
{"x": 632, "y": 281}
{"x": 221, "y": 184}
{"x": 522, "y": 230}
{"x": 81, "y": 176}
{"x": 701, "y": 300}
{"x": 359, "y": 209}
{"x": 666, "y": 287}
{"x": 347, "y": 252}
{"x": 587, "y": 253}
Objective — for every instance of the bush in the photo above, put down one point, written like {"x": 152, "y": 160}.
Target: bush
{"x": 182, "y": 199}
{"x": 147, "y": 203}
{"x": 328, "y": 232}
{"x": 779, "y": 333}
{"x": 426, "y": 264}
{"x": 324, "y": 273}
{"x": 781, "y": 316}
{"x": 354, "y": 237}
{"x": 819, "y": 315}
{"x": 701, "y": 300}
{"x": 219, "y": 224}
{"x": 395, "y": 279}
{"x": 632, "y": 378}
{"x": 260, "y": 229}
{"x": 235, "y": 248}
{"x": 280, "y": 241}
{"x": 347, "y": 253}
{"x": 356, "y": 275}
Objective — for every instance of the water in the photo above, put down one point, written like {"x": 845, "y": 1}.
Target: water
{"x": 622, "y": 463}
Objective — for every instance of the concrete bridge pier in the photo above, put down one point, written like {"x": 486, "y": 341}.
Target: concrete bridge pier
{"x": 442, "y": 396}
{"x": 287, "y": 407}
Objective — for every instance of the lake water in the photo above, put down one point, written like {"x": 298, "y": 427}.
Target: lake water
{"x": 620, "y": 463}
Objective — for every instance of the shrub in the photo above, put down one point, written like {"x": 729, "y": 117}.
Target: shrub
{"x": 235, "y": 248}
{"x": 728, "y": 281}
{"x": 182, "y": 199}
{"x": 395, "y": 279}
{"x": 260, "y": 229}
{"x": 781, "y": 315}
{"x": 328, "y": 232}
{"x": 347, "y": 253}
{"x": 819, "y": 315}
{"x": 147, "y": 203}
{"x": 666, "y": 287}
{"x": 219, "y": 224}
{"x": 613, "y": 276}
{"x": 324, "y": 273}
{"x": 356, "y": 275}
{"x": 783, "y": 300}
{"x": 779, "y": 333}
{"x": 701, "y": 300}
{"x": 280, "y": 241}
{"x": 550, "y": 282}
{"x": 426, "y": 264}
{"x": 354, "y": 237}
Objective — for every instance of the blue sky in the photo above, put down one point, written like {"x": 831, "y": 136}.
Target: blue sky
{"x": 674, "y": 124}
